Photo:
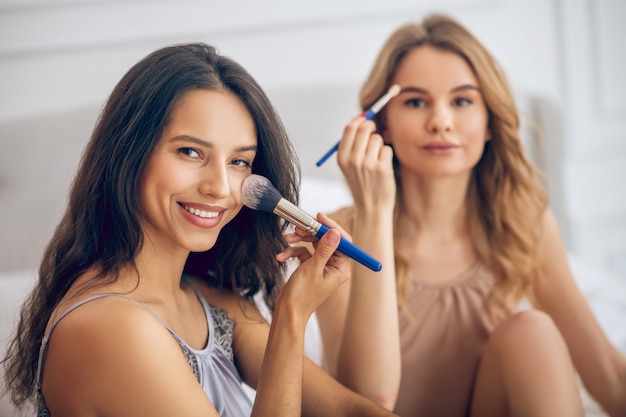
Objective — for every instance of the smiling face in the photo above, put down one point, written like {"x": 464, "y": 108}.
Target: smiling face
{"x": 438, "y": 123}
{"x": 191, "y": 187}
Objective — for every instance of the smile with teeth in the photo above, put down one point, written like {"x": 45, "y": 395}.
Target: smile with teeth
{"x": 201, "y": 213}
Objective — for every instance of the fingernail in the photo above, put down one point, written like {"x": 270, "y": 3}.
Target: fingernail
{"x": 332, "y": 237}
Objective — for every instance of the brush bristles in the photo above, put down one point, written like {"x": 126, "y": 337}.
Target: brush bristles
{"x": 258, "y": 193}
{"x": 393, "y": 91}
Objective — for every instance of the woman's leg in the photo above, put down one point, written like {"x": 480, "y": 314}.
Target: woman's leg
{"x": 526, "y": 370}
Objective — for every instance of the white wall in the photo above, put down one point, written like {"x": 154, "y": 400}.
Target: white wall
{"x": 72, "y": 52}
{"x": 65, "y": 54}
{"x": 594, "y": 61}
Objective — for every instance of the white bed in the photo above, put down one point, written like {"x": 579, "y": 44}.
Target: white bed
{"x": 39, "y": 156}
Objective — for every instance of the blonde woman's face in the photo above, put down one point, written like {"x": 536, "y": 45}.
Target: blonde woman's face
{"x": 438, "y": 123}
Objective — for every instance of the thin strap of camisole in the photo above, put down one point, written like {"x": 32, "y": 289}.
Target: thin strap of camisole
{"x": 44, "y": 343}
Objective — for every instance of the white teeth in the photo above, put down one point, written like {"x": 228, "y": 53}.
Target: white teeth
{"x": 201, "y": 213}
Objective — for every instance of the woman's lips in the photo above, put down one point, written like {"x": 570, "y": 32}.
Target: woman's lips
{"x": 440, "y": 148}
{"x": 204, "y": 216}
{"x": 204, "y": 212}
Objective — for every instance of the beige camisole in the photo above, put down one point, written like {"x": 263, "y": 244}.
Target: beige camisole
{"x": 442, "y": 339}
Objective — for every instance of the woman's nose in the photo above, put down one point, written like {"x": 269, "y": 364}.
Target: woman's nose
{"x": 214, "y": 181}
{"x": 440, "y": 119}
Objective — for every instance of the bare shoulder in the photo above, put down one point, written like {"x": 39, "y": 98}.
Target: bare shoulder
{"x": 109, "y": 317}
{"x": 102, "y": 351}
{"x": 105, "y": 331}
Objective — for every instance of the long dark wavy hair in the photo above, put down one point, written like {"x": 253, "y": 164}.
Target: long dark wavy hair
{"x": 100, "y": 228}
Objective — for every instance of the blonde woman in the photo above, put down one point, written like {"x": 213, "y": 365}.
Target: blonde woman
{"x": 446, "y": 198}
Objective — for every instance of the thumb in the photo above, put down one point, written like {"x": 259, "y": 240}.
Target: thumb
{"x": 327, "y": 246}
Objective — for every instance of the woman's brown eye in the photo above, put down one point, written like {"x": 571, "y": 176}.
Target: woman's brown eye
{"x": 415, "y": 102}
{"x": 192, "y": 153}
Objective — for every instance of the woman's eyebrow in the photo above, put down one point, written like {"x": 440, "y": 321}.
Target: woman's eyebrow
{"x": 414, "y": 89}
{"x": 187, "y": 138}
{"x": 465, "y": 87}
{"x": 247, "y": 148}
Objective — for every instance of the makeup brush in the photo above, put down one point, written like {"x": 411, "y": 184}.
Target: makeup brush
{"x": 258, "y": 193}
{"x": 393, "y": 91}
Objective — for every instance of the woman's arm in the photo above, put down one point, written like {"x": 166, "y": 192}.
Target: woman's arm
{"x": 322, "y": 395}
{"x": 601, "y": 365}
{"x": 271, "y": 358}
{"x": 359, "y": 324}
{"x": 279, "y": 387}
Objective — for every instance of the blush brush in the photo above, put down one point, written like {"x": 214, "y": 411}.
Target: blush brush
{"x": 258, "y": 193}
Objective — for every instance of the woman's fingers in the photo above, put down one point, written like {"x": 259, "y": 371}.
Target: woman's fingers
{"x": 355, "y": 141}
{"x": 318, "y": 275}
{"x": 367, "y": 164}
{"x": 299, "y": 252}
{"x": 326, "y": 248}
{"x": 299, "y": 235}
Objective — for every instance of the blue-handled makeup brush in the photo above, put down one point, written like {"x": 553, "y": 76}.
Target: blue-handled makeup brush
{"x": 393, "y": 91}
{"x": 258, "y": 193}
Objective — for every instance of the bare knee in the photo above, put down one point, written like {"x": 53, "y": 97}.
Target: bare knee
{"x": 526, "y": 329}
{"x": 527, "y": 361}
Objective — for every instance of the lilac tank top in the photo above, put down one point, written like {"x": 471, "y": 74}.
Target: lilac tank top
{"x": 212, "y": 366}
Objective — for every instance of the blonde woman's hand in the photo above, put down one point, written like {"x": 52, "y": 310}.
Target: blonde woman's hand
{"x": 367, "y": 165}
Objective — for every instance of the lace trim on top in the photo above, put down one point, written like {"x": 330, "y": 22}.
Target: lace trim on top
{"x": 192, "y": 360}
{"x": 42, "y": 410}
{"x": 223, "y": 334}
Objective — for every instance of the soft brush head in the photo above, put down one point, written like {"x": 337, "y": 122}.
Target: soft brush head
{"x": 394, "y": 90}
{"x": 258, "y": 193}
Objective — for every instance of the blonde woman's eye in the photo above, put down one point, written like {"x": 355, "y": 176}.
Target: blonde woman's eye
{"x": 415, "y": 102}
{"x": 462, "y": 101}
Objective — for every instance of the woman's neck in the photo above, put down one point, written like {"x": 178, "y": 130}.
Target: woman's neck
{"x": 432, "y": 206}
{"x": 160, "y": 269}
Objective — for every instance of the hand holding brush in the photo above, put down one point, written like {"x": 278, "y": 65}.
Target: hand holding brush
{"x": 393, "y": 91}
{"x": 258, "y": 193}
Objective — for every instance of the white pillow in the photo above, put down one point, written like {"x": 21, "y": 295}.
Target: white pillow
{"x": 322, "y": 194}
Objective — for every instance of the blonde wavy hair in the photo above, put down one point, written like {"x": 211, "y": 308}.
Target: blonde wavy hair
{"x": 506, "y": 198}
